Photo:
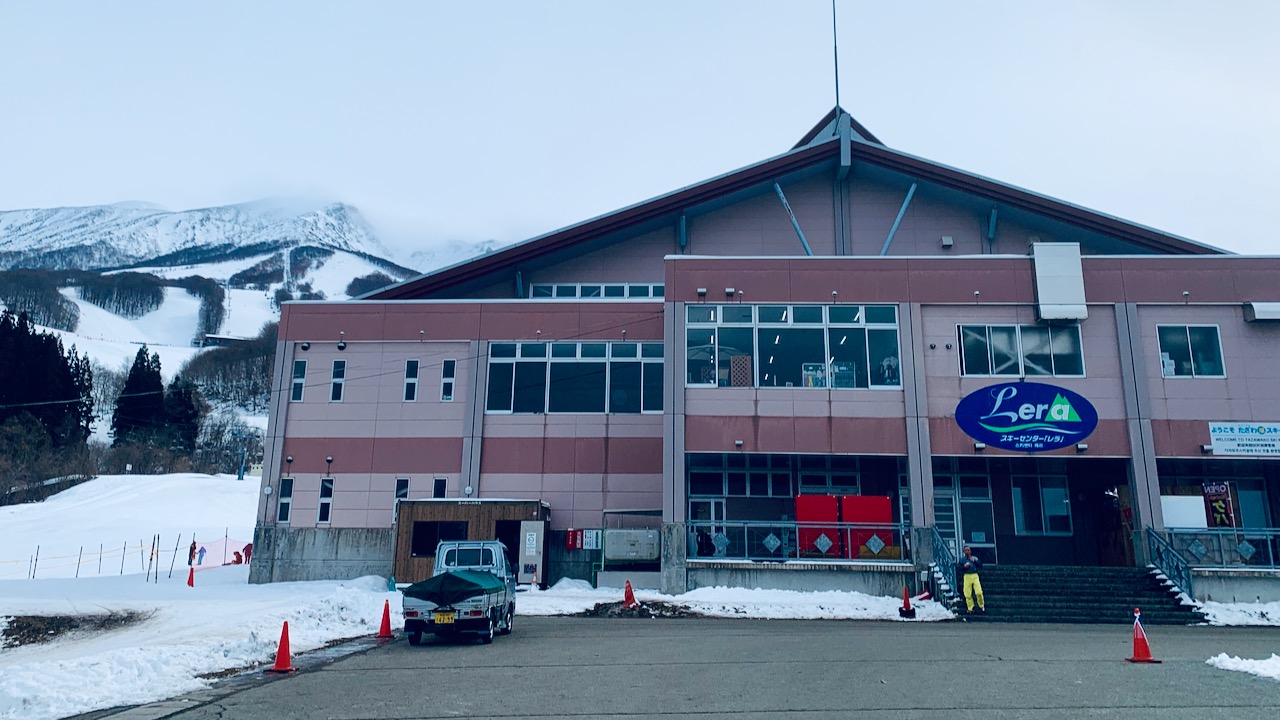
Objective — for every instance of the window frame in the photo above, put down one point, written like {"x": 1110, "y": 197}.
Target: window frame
{"x": 650, "y": 355}
{"x": 402, "y": 488}
{"x": 338, "y": 381}
{"x": 284, "y": 501}
{"x": 411, "y": 380}
{"x": 781, "y": 317}
{"x": 595, "y": 291}
{"x": 1018, "y": 329}
{"x": 448, "y": 379}
{"x": 1217, "y": 331}
{"x": 324, "y": 510}
{"x": 299, "y": 381}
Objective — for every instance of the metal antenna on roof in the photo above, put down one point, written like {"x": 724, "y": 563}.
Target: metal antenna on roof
{"x": 835, "y": 50}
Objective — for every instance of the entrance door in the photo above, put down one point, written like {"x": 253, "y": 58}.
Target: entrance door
{"x": 963, "y": 514}
{"x": 706, "y": 521}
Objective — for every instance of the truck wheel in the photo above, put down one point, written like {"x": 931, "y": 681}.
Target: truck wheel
{"x": 415, "y": 638}
{"x": 487, "y": 638}
{"x": 511, "y": 616}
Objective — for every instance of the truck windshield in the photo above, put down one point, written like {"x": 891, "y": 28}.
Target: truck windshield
{"x": 468, "y": 557}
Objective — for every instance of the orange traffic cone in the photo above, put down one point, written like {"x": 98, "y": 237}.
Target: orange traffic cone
{"x": 283, "y": 660}
{"x": 629, "y": 597}
{"x": 385, "y": 631}
{"x": 1141, "y": 651}
{"x": 191, "y": 577}
{"x": 906, "y": 611}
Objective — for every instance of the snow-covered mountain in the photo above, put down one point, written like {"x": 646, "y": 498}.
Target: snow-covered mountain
{"x": 106, "y": 237}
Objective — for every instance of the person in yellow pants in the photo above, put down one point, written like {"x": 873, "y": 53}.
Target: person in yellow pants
{"x": 970, "y": 565}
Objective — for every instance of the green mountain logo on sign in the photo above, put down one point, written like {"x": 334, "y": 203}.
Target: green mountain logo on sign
{"x": 1062, "y": 411}
{"x": 1026, "y": 416}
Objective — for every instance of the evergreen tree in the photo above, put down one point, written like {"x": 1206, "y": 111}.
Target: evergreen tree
{"x": 140, "y": 412}
{"x": 184, "y": 408}
{"x": 44, "y": 382}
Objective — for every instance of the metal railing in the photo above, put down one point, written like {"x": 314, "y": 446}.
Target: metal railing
{"x": 1168, "y": 561}
{"x": 1226, "y": 547}
{"x": 943, "y": 569}
{"x": 782, "y": 541}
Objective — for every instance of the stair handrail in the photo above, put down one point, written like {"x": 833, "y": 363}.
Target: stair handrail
{"x": 1170, "y": 562}
{"x": 944, "y": 568}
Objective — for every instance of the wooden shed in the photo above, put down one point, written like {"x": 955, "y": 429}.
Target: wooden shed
{"x": 422, "y": 524}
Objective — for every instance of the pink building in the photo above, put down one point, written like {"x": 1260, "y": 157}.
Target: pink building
{"x": 952, "y": 360}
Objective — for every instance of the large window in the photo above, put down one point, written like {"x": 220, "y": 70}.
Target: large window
{"x": 573, "y": 377}
{"x": 837, "y": 346}
{"x": 299, "y": 380}
{"x": 737, "y": 475}
{"x": 1190, "y": 351}
{"x": 1041, "y": 505}
{"x": 1020, "y": 350}
{"x": 595, "y": 291}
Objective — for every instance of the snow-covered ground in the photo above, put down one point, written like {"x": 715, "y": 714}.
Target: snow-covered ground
{"x": 113, "y": 341}
{"x": 223, "y": 622}
{"x": 1217, "y": 613}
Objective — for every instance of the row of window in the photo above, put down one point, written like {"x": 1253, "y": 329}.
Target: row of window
{"x": 1027, "y": 350}
{"x": 324, "y": 513}
{"x": 838, "y": 346}
{"x": 596, "y": 291}
{"x": 338, "y": 380}
{"x": 587, "y": 377}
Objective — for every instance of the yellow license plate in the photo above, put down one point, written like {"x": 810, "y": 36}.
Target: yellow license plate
{"x": 443, "y": 618}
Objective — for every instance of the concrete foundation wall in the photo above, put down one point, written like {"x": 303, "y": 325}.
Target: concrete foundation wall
{"x": 1246, "y": 586}
{"x": 870, "y": 579}
{"x": 288, "y": 554}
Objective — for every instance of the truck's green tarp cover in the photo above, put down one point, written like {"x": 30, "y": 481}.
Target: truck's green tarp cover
{"x": 454, "y": 587}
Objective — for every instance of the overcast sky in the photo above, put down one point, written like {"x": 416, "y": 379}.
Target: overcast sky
{"x": 477, "y": 120}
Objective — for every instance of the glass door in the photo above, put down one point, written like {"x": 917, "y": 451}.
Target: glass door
{"x": 963, "y": 514}
{"x": 706, "y": 523}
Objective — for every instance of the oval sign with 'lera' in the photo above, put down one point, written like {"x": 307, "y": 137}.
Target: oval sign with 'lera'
{"x": 1027, "y": 417}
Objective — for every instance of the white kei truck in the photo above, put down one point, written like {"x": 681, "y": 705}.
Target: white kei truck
{"x": 471, "y": 591}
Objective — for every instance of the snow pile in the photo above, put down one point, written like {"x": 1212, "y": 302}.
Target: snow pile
{"x": 1269, "y": 668}
{"x": 221, "y": 623}
{"x": 791, "y": 604}
{"x": 1217, "y": 613}
{"x": 569, "y": 597}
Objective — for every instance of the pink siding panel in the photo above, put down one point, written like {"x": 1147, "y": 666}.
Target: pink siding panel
{"x": 869, "y": 436}
{"x": 634, "y": 455}
{"x": 511, "y": 455}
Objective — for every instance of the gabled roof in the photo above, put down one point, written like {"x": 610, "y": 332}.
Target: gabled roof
{"x": 828, "y": 127}
{"x": 820, "y": 145}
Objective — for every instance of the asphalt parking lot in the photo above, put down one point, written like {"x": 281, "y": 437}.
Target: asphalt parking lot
{"x": 746, "y": 669}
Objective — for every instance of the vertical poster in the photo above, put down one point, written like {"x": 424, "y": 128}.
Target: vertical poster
{"x": 1217, "y": 502}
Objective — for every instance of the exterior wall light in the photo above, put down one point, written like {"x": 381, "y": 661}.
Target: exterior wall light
{"x": 1081, "y": 447}
{"x": 1206, "y": 449}
{"x": 737, "y": 443}
{"x": 979, "y": 446}
{"x": 306, "y": 346}
{"x": 702, "y": 292}
{"x": 342, "y": 340}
